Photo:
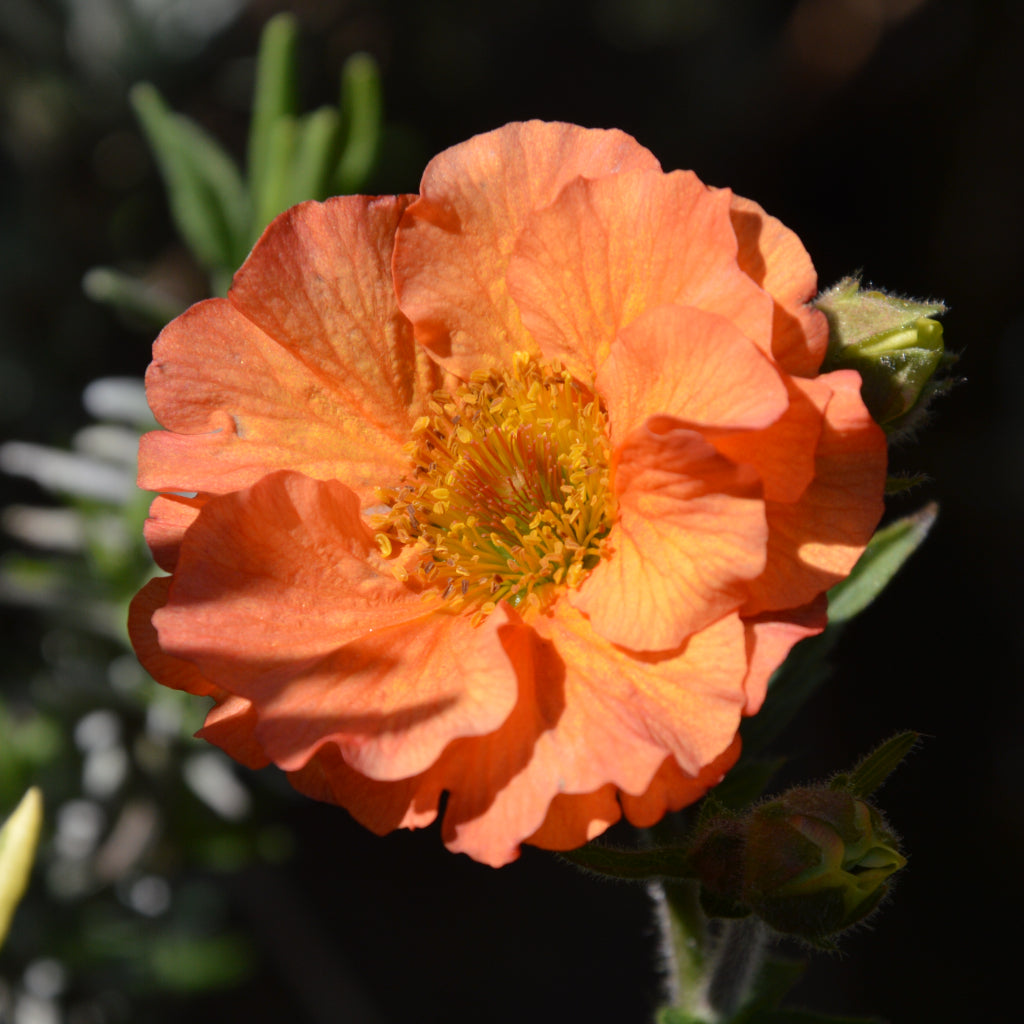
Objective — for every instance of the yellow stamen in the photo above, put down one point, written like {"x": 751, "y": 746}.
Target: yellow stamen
{"x": 512, "y": 493}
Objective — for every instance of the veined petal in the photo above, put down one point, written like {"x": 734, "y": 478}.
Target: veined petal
{"x": 621, "y": 716}
{"x": 280, "y": 595}
{"x": 454, "y": 243}
{"x": 170, "y": 515}
{"x": 691, "y": 365}
{"x": 776, "y": 259}
{"x": 770, "y": 638}
{"x": 690, "y": 533}
{"x": 672, "y": 789}
{"x": 307, "y": 365}
{"x": 609, "y": 249}
{"x": 230, "y": 723}
{"x": 815, "y": 541}
{"x": 783, "y": 453}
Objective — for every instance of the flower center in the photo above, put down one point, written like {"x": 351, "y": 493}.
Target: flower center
{"x": 513, "y": 495}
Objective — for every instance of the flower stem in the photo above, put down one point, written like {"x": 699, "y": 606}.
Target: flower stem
{"x": 710, "y": 966}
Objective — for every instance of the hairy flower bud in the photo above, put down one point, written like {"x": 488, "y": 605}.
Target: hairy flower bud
{"x": 817, "y": 861}
{"x": 811, "y": 863}
{"x": 891, "y": 342}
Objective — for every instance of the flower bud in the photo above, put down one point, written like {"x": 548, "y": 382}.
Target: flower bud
{"x": 891, "y": 342}
{"x": 817, "y": 861}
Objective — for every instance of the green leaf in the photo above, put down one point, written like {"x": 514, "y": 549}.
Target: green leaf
{"x": 874, "y": 769}
{"x": 275, "y": 99}
{"x": 636, "y": 865}
{"x": 885, "y": 554}
{"x": 805, "y": 1017}
{"x": 205, "y": 191}
{"x": 316, "y": 155}
{"x": 18, "y": 841}
{"x": 361, "y": 115}
{"x": 673, "y": 1015}
{"x": 130, "y": 295}
{"x": 273, "y": 196}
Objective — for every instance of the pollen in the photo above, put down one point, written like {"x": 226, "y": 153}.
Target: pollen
{"x": 510, "y": 493}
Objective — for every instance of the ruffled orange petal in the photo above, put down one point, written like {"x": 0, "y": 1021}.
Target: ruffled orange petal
{"x": 308, "y": 365}
{"x": 776, "y": 259}
{"x": 784, "y": 452}
{"x": 575, "y": 818}
{"x": 689, "y": 534}
{"x": 378, "y": 806}
{"x": 618, "y": 717}
{"x": 694, "y": 366}
{"x": 815, "y": 541}
{"x": 169, "y": 670}
{"x": 609, "y": 249}
{"x": 454, "y": 243}
{"x": 229, "y": 724}
{"x": 671, "y": 789}
{"x": 771, "y": 637}
{"x": 170, "y": 515}
{"x": 280, "y": 596}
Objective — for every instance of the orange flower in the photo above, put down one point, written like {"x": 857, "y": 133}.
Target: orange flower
{"x": 517, "y": 490}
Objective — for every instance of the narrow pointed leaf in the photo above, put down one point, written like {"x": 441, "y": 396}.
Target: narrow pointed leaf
{"x": 18, "y": 840}
{"x": 317, "y": 146}
{"x": 888, "y": 550}
{"x": 273, "y": 197}
{"x": 275, "y": 98}
{"x": 130, "y": 295}
{"x": 198, "y": 185}
{"x": 874, "y": 769}
{"x": 361, "y": 113}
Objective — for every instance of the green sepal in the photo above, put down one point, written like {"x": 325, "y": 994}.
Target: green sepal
{"x": 207, "y": 196}
{"x": 635, "y": 865}
{"x": 19, "y": 838}
{"x": 361, "y": 116}
{"x": 900, "y": 483}
{"x": 856, "y": 315}
{"x": 885, "y": 554}
{"x": 275, "y": 99}
{"x": 876, "y": 767}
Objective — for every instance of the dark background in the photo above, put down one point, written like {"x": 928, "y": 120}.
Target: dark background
{"x": 887, "y": 134}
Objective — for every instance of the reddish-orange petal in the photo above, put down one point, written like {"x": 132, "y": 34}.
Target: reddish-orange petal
{"x": 170, "y": 515}
{"x": 307, "y": 365}
{"x": 689, "y": 534}
{"x": 455, "y": 241}
{"x": 784, "y": 452}
{"x": 770, "y": 638}
{"x": 575, "y": 818}
{"x": 230, "y": 723}
{"x": 694, "y": 366}
{"x": 618, "y": 717}
{"x": 815, "y": 542}
{"x": 280, "y": 596}
{"x": 671, "y": 789}
{"x": 776, "y": 259}
{"x": 169, "y": 670}
{"x": 607, "y": 250}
